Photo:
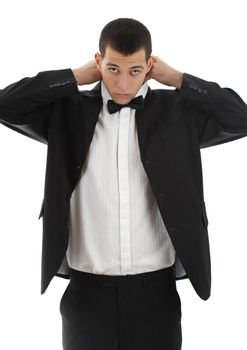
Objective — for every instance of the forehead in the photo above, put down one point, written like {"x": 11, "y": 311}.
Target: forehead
{"x": 117, "y": 58}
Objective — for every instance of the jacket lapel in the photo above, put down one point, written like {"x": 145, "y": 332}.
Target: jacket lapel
{"x": 143, "y": 119}
{"x": 91, "y": 106}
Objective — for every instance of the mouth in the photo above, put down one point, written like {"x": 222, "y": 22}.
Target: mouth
{"x": 122, "y": 95}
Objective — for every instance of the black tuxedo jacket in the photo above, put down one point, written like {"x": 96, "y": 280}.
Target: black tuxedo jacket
{"x": 172, "y": 128}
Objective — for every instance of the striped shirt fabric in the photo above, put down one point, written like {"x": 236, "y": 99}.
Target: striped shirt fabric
{"x": 115, "y": 225}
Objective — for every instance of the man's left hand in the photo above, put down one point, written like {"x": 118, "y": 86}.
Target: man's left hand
{"x": 164, "y": 74}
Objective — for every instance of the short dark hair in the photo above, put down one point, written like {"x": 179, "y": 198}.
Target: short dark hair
{"x": 125, "y": 35}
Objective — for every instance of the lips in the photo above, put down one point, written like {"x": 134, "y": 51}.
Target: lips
{"x": 122, "y": 95}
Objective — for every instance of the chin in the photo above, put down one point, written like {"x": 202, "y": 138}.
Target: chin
{"x": 122, "y": 101}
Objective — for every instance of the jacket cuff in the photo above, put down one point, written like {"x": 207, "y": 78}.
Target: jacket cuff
{"x": 62, "y": 82}
{"x": 194, "y": 88}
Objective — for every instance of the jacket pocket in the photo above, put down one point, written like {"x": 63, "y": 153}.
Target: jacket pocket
{"x": 204, "y": 215}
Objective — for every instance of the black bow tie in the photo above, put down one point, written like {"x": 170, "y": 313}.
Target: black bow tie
{"x": 136, "y": 103}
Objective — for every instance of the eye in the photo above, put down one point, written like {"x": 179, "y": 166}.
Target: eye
{"x": 136, "y": 71}
{"x": 112, "y": 68}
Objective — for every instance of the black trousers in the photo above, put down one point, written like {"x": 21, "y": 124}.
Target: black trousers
{"x": 127, "y": 312}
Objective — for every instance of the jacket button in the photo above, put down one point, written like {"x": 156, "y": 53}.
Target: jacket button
{"x": 67, "y": 224}
{"x": 204, "y": 92}
{"x": 161, "y": 194}
{"x": 172, "y": 228}
{"x": 78, "y": 166}
{"x": 192, "y": 86}
{"x": 146, "y": 161}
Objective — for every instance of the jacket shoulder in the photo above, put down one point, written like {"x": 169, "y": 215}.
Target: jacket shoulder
{"x": 166, "y": 97}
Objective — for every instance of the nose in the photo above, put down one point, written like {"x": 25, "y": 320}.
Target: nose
{"x": 123, "y": 83}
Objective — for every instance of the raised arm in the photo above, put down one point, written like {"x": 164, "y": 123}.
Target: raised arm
{"x": 25, "y": 105}
{"x": 220, "y": 114}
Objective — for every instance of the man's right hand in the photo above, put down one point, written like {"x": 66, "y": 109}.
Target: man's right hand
{"x": 89, "y": 73}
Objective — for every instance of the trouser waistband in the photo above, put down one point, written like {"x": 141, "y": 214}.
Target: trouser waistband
{"x": 162, "y": 276}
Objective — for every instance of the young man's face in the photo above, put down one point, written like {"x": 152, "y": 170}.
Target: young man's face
{"x": 123, "y": 75}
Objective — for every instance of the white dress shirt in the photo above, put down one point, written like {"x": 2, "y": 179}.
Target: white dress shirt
{"x": 115, "y": 225}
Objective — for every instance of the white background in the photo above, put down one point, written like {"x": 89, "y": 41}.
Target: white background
{"x": 206, "y": 39}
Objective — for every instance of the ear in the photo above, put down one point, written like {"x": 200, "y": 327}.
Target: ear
{"x": 98, "y": 59}
{"x": 150, "y": 63}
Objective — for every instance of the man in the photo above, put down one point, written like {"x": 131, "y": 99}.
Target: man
{"x": 124, "y": 215}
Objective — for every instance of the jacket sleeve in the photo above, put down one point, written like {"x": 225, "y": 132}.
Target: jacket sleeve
{"x": 26, "y": 105}
{"x": 220, "y": 114}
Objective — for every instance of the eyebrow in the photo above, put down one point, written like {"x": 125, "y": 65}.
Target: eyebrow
{"x": 115, "y": 65}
